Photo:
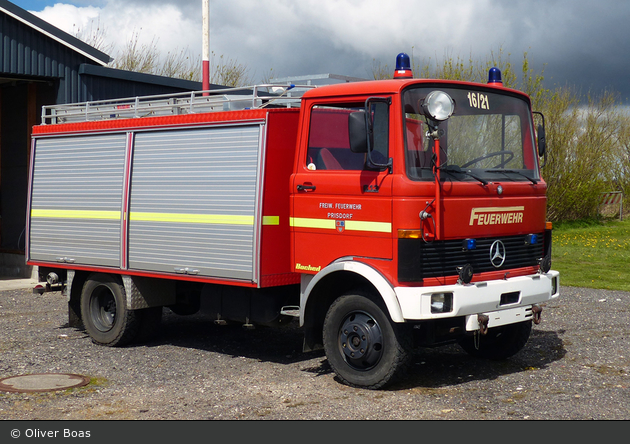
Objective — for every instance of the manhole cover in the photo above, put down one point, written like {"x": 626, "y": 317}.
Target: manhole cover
{"x": 43, "y": 382}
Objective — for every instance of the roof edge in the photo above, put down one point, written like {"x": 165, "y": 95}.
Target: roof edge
{"x": 54, "y": 33}
{"x": 139, "y": 77}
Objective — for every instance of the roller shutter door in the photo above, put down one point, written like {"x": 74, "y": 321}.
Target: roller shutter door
{"x": 76, "y": 204}
{"x": 193, "y": 201}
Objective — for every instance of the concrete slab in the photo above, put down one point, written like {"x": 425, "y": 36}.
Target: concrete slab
{"x": 16, "y": 283}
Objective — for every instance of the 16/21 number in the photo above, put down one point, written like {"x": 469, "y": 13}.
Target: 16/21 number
{"x": 478, "y": 100}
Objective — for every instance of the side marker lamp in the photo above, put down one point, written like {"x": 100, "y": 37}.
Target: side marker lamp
{"x": 441, "y": 302}
{"x": 438, "y": 106}
{"x": 409, "y": 234}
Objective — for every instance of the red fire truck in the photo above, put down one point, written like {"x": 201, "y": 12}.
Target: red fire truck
{"x": 385, "y": 215}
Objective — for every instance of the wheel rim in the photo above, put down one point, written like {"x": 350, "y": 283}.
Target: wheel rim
{"x": 103, "y": 308}
{"x": 361, "y": 341}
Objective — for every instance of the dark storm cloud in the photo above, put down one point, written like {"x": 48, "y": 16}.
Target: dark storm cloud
{"x": 583, "y": 44}
{"x": 579, "y": 43}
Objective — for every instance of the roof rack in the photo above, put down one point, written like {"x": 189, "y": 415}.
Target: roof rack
{"x": 319, "y": 79}
{"x": 228, "y": 99}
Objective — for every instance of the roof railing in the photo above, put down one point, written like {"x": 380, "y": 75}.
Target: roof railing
{"x": 228, "y": 99}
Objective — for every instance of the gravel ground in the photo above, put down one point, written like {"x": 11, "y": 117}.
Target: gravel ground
{"x": 576, "y": 366}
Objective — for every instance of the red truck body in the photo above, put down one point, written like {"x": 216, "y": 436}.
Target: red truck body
{"x": 258, "y": 213}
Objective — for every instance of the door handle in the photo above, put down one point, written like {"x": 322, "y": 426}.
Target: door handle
{"x": 306, "y": 187}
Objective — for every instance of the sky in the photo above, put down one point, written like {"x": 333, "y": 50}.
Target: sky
{"x": 578, "y": 43}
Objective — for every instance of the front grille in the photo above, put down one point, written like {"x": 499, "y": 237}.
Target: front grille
{"x": 418, "y": 260}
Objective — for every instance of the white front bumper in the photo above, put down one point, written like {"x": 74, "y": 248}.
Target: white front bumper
{"x": 481, "y": 298}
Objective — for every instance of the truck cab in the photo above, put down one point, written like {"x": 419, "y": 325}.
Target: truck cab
{"x": 418, "y": 218}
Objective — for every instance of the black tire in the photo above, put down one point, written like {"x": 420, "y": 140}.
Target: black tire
{"x": 104, "y": 311}
{"x": 499, "y": 343}
{"x": 364, "y": 348}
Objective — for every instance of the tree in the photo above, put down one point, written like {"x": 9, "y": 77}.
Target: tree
{"x": 380, "y": 71}
{"x": 138, "y": 57}
{"x": 180, "y": 65}
{"x": 146, "y": 58}
{"x": 228, "y": 72}
{"x": 93, "y": 35}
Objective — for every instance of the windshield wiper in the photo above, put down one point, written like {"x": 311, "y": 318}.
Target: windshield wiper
{"x": 457, "y": 169}
{"x": 534, "y": 181}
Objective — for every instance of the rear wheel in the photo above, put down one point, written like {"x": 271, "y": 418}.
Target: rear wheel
{"x": 104, "y": 311}
{"x": 363, "y": 347}
{"x": 499, "y": 343}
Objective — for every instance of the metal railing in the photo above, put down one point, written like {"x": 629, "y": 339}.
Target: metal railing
{"x": 229, "y": 99}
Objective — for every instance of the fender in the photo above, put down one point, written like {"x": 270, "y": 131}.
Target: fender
{"x": 382, "y": 285}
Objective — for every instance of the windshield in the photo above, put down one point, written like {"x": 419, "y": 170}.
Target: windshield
{"x": 488, "y": 137}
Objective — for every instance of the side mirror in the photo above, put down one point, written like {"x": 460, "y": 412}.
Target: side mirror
{"x": 542, "y": 142}
{"x": 357, "y": 131}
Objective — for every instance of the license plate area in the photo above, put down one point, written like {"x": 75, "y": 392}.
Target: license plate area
{"x": 512, "y": 297}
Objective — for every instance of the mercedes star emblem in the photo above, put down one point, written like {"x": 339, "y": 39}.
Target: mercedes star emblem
{"x": 497, "y": 254}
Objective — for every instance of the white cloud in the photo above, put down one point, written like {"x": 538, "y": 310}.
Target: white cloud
{"x": 69, "y": 18}
{"x": 121, "y": 21}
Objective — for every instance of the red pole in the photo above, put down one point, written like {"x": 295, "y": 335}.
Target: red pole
{"x": 206, "y": 75}
{"x": 438, "y": 189}
{"x": 205, "y": 68}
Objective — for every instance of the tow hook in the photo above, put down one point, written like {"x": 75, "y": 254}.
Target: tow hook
{"x": 536, "y": 313}
{"x": 483, "y": 323}
{"x": 483, "y": 329}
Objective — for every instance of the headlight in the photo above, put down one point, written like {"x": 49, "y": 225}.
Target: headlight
{"x": 441, "y": 302}
{"x": 438, "y": 106}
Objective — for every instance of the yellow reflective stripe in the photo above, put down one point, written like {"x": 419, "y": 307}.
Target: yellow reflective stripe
{"x": 155, "y": 217}
{"x": 271, "y": 220}
{"x": 192, "y": 218}
{"x": 303, "y": 222}
{"x": 359, "y": 225}
{"x": 76, "y": 214}
{"x": 350, "y": 225}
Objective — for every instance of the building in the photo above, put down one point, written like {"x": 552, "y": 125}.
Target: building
{"x": 42, "y": 65}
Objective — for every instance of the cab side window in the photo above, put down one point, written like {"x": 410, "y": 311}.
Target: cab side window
{"x": 329, "y": 142}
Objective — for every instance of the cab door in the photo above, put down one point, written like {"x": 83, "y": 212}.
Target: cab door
{"x": 341, "y": 203}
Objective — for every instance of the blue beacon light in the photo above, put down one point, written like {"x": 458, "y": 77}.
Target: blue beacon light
{"x": 494, "y": 77}
{"x": 532, "y": 239}
{"x": 469, "y": 244}
{"x": 403, "y": 67}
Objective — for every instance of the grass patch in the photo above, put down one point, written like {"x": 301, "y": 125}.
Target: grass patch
{"x": 592, "y": 254}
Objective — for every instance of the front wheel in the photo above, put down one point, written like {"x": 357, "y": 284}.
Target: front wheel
{"x": 364, "y": 348}
{"x": 499, "y": 342}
